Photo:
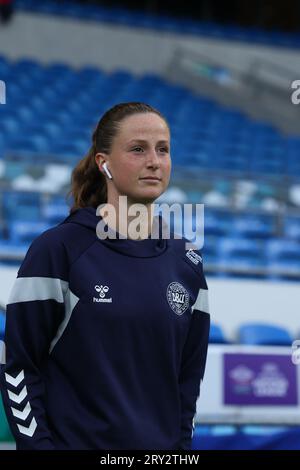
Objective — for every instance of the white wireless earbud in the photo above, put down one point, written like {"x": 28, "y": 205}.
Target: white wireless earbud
{"x": 104, "y": 166}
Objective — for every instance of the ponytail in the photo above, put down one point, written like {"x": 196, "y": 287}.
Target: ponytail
{"x": 88, "y": 184}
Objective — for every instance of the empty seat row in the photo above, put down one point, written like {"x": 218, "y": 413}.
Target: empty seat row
{"x": 259, "y": 334}
{"x": 162, "y": 22}
{"x": 205, "y": 134}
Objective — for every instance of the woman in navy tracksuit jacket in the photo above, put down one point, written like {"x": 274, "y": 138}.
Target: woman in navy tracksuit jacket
{"x": 106, "y": 338}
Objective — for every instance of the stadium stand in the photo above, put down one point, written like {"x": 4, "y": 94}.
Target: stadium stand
{"x": 168, "y": 23}
{"x": 264, "y": 334}
{"x": 53, "y": 128}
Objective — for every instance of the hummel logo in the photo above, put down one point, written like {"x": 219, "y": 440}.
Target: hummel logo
{"x": 194, "y": 257}
{"x": 102, "y": 290}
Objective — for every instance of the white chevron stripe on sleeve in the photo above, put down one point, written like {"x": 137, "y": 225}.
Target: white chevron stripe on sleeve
{"x": 28, "y": 431}
{"x": 71, "y": 301}
{"x": 201, "y": 301}
{"x": 27, "y": 289}
{"x": 15, "y": 381}
{"x": 18, "y": 398}
{"x": 22, "y": 414}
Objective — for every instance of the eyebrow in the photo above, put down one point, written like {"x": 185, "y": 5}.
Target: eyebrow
{"x": 145, "y": 141}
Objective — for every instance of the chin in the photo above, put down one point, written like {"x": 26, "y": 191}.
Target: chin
{"x": 145, "y": 198}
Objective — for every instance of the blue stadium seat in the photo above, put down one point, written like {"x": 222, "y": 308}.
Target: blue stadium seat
{"x": 12, "y": 253}
{"x": 58, "y": 69}
{"x": 216, "y": 224}
{"x": 209, "y": 250}
{"x": 283, "y": 257}
{"x": 2, "y": 325}
{"x": 264, "y": 334}
{"x": 21, "y": 205}
{"x": 55, "y": 211}
{"x": 32, "y": 143}
{"x": 5, "y": 66}
{"x": 292, "y": 228}
{"x": 256, "y": 430}
{"x": 216, "y": 334}
{"x": 204, "y": 434}
{"x": 71, "y": 150}
{"x": 241, "y": 253}
{"x": 253, "y": 226}
{"x": 24, "y": 232}
{"x": 223, "y": 430}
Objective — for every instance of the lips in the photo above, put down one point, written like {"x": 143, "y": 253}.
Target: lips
{"x": 154, "y": 178}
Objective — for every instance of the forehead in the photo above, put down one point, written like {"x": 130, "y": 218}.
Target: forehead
{"x": 143, "y": 125}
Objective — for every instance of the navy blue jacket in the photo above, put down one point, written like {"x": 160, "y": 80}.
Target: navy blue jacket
{"x": 106, "y": 341}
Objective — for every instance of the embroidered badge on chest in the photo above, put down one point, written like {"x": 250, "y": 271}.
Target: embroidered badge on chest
{"x": 194, "y": 257}
{"x": 102, "y": 291}
{"x": 178, "y": 297}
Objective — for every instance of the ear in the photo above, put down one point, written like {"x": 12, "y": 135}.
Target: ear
{"x": 100, "y": 158}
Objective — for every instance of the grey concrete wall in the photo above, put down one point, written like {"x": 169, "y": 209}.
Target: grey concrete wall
{"x": 51, "y": 38}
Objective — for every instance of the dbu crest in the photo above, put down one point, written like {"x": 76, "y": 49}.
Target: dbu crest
{"x": 178, "y": 297}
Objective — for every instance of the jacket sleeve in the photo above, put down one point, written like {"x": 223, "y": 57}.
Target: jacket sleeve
{"x": 193, "y": 365}
{"x": 33, "y": 313}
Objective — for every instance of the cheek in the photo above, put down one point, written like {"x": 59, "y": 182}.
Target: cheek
{"x": 128, "y": 171}
{"x": 167, "y": 165}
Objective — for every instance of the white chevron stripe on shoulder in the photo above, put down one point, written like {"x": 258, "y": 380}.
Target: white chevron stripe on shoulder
{"x": 28, "y": 431}
{"x": 15, "y": 381}
{"x": 22, "y": 414}
{"x": 18, "y": 398}
{"x": 201, "y": 301}
{"x": 26, "y": 289}
{"x": 70, "y": 303}
{"x": 2, "y": 352}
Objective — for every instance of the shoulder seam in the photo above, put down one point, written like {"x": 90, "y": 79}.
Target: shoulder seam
{"x": 79, "y": 256}
{"x": 181, "y": 255}
{"x": 62, "y": 241}
{"x": 200, "y": 274}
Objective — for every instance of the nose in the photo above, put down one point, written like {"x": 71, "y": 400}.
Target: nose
{"x": 153, "y": 159}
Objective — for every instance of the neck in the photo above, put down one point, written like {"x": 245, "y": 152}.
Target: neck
{"x": 131, "y": 222}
